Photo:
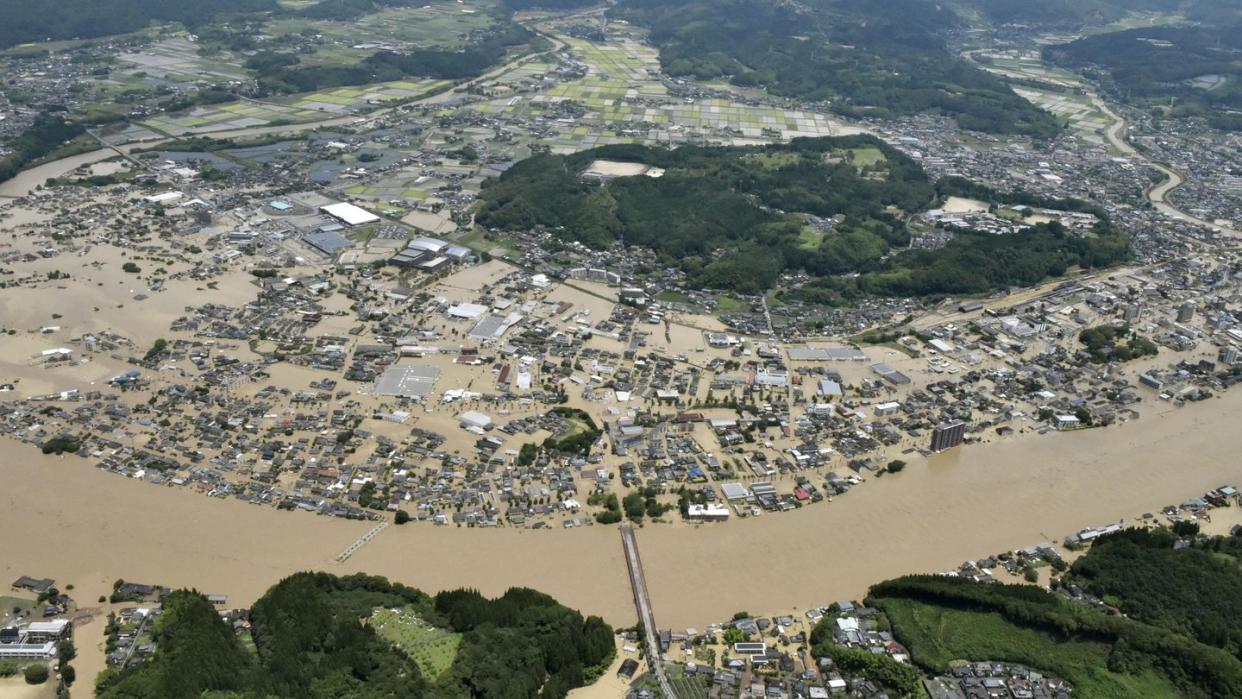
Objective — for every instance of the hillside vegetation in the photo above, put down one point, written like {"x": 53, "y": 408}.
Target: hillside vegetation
{"x": 739, "y": 199}
{"x": 311, "y": 642}
{"x": 1181, "y": 636}
{"x": 737, "y": 217}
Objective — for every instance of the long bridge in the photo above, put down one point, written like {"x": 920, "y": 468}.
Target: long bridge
{"x": 362, "y": 541}
{"x": 642, "y": 602}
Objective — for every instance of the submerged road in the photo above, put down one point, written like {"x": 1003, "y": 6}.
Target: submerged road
{"x": 642, "y": 601}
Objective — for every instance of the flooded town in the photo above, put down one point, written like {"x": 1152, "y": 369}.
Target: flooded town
{"x": 248, "y": 338}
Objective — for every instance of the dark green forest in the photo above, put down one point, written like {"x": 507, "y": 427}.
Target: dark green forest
{"x": 714, "y": 198}
{"x": 1158, "y": 66}
{"x": 1181, "y": 635}
{"x": 975, "y": 263}
{"x": 310, "y": 642}
{"x": 735, "y": 218}
{"x": 283, "y": 73}
{"x": 877, "y": 59}
{"x": 1195, "y": 591}
{"x": 22, "y": 22}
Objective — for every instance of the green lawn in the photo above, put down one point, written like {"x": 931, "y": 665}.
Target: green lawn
{"x": 810, "y": 238}
{"x": 7, "y": 604}
{"x": 728, "y": 304}
{"x": 867, "y": 156}
{"x": 482, "y": 241}
{"x": 937, "y": 635}
{"x": 432, "y": 648}
{"x": 773, "y": 161}
{"x": 672, "y": 297}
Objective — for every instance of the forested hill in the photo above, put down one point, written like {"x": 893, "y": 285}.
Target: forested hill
{"x": 1179, "y": 633}
{"x": 737, "y": 217}
{"x": 866, "y": 58}
{"x": 24, "y": 21}
{"x": 735, "y": 198}
{"x": 318, "y": 636}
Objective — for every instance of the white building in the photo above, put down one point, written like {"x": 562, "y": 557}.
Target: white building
{"x": 349, "y": 214}
{"x": 14, "y": 652}
{"x": 474, "y": 418}
{"x": 886, "y": 409}
{"x": 710, "y": 512}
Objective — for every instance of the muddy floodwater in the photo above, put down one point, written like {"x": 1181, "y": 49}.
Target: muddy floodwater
{"x": 67, "y": 520}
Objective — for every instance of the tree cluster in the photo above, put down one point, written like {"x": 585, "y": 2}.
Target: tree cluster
{"x": 311, "y": 642}
{"x": 1194, "y": 667}
{"x": 731, "y": 217}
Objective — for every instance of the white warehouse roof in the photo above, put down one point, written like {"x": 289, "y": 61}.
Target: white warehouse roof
{"x": 349, "y": 214}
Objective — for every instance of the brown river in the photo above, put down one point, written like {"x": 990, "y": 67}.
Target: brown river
{"x": 67, "y": 520}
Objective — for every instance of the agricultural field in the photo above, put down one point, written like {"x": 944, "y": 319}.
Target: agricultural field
{"x": 1063, "y": 96}
{"x": 686, "y": 686}
{"x": 624, "y": 100}
{"x": 226, "y": 117}
{"x": 431, "y": 647}
{"x": 446, "y": 25}
{"x": 310, "y": 106}
{"x": 177, "y": 59}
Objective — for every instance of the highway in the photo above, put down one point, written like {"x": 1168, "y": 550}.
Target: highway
{"x": 642, "y": 601}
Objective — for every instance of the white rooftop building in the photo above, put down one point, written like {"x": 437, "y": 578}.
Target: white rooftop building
{"x": 473, "y": 418}
{"x": 349, "y": 214}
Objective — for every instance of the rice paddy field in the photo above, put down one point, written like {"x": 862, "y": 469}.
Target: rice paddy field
{"x": 309, "y": 106}
{"x": 625, "y": 100}
{"x": 227, "y": 117}
{"x": 177, "y": 59}
{"x": 1063, "y": 97}
{"x": 353, "y": 99}
{"x": 432, "y": 25}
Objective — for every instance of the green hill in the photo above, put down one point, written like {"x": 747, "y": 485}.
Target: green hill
{"x": 737, "y": 217}
{"x": 319, "y": 636}
{"x": 1195, "y": 69}
{"x": 1179, "y": 636}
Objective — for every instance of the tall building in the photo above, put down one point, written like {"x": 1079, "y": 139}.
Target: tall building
{"x": 947, "y": 435}
{"x": 1186, "y": 311}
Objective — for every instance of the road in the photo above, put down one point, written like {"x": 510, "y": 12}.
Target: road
{"x": 642, "y": 601}
{"x": 1157, "y": 194}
